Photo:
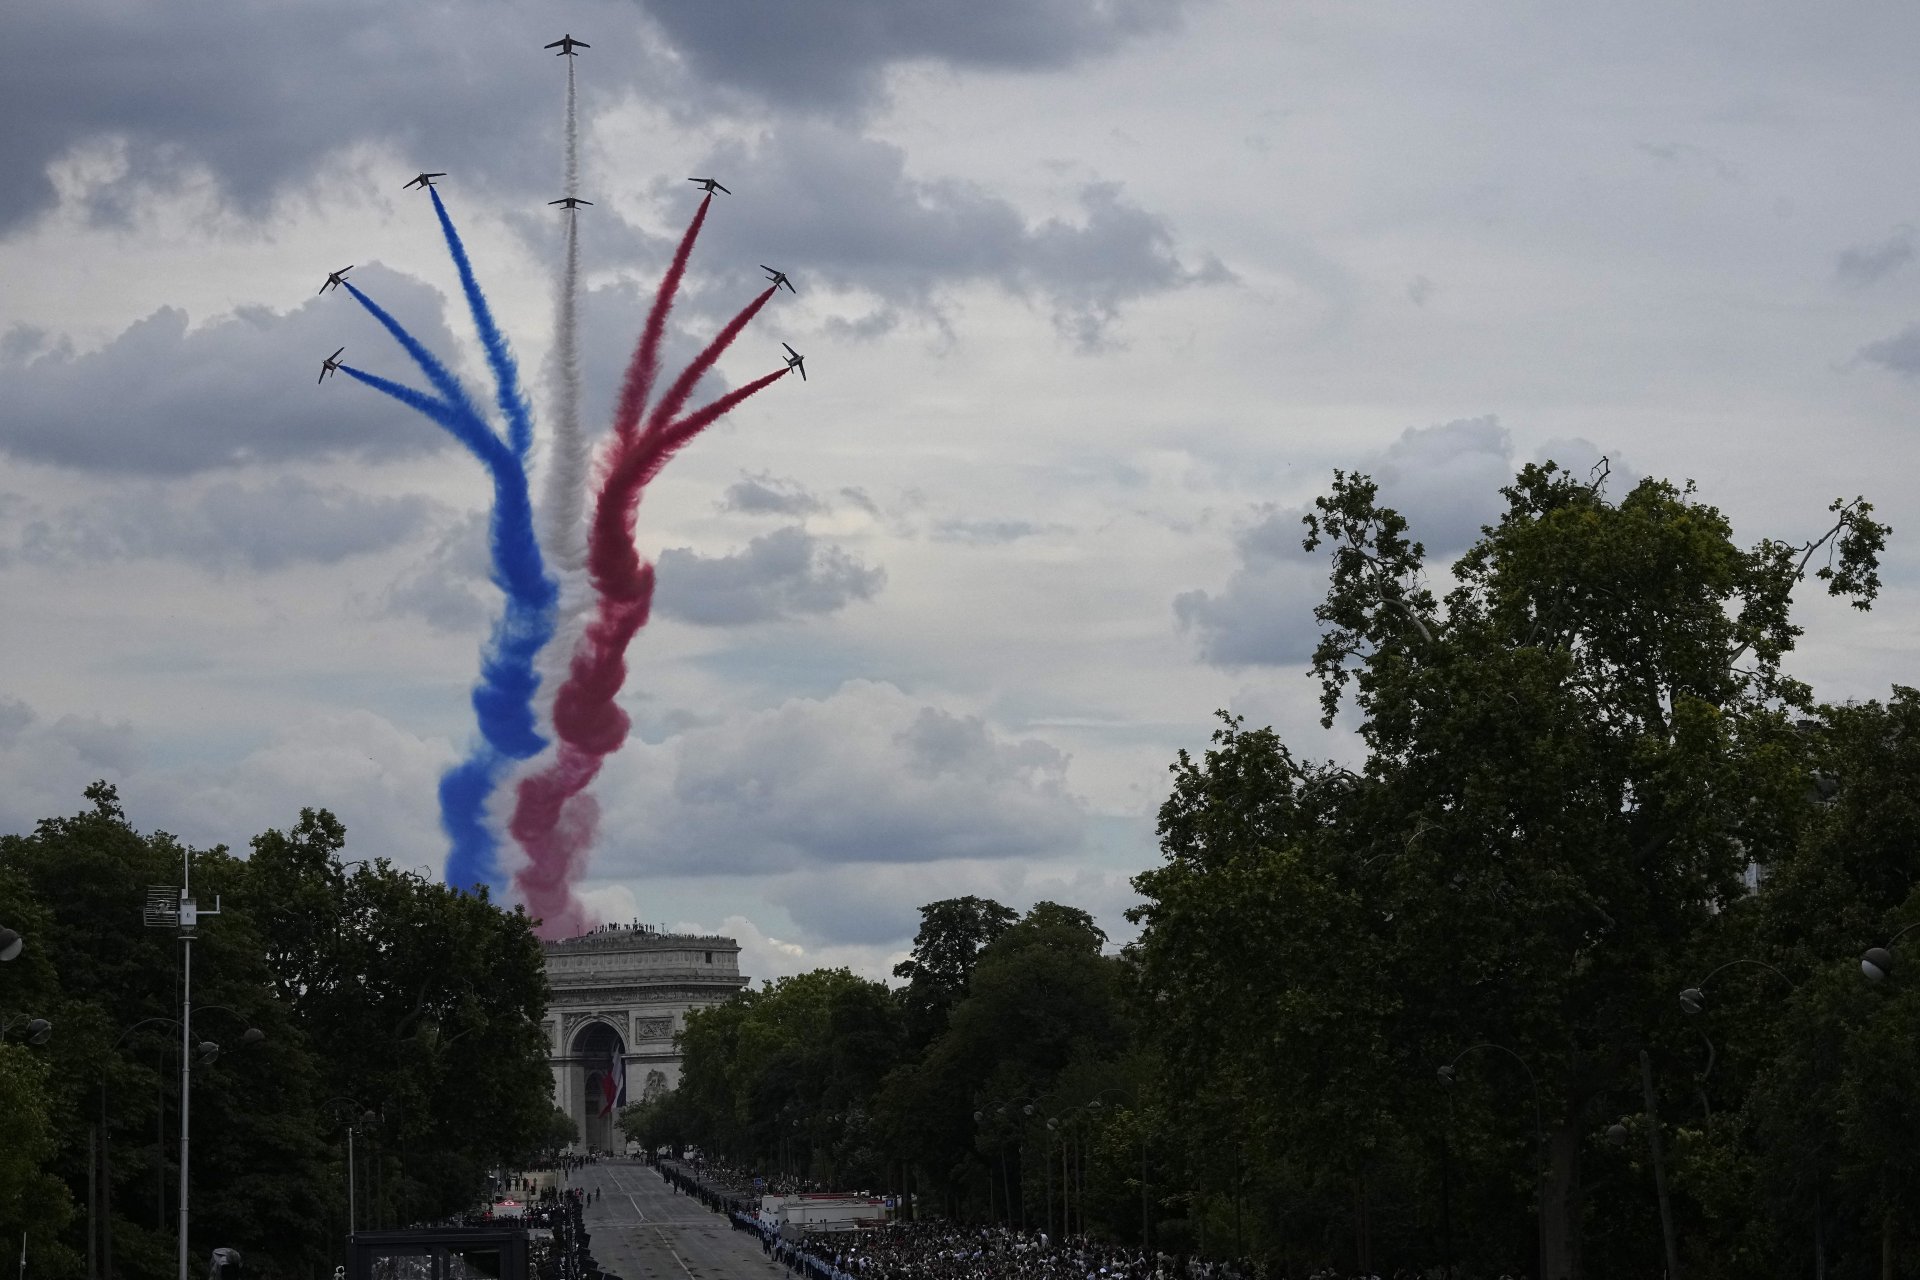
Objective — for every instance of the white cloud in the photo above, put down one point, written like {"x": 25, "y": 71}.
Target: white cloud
{"x": 370, "y": 773}
{"x": 864, "y": 775}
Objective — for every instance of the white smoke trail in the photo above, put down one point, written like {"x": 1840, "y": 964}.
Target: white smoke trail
{"x": 563, "y": 505}
{"x": 567, "y": 460}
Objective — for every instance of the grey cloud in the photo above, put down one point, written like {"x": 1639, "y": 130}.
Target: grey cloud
{"x": 858, "y": 497}
{"x": 1263, "y": 617}
{"x": 360, "y": 766}
{"x": 164, "y": 398}
{"x": 865, "y": 776}
{"x": 15, "y": 717}
{"x": 445, "y": 590}
{"x": 987, "y": 532}
{"x": 783, "y": 574}
{"x": 1899, "y": 353}
{"x": 767, "y": 495}
{"x": 833, "y": 54}
{"x": 611, "y": 318}
{"x": 223, "y": 525}
{"x": 830, "y": 207}
{"x": 938, "y": 743}
{"x": 1444, "y": 479}
{"x": 1864, "y": 264}
{"x": 264, "y": 95}
{"x": 857, "y": 908}
{"x": 45, "y": 764}
{"x": 1687, "y": 155}
{"x": 865, "y": 328}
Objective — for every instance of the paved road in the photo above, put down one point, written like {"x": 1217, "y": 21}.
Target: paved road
{"x": 643, "y": 1231}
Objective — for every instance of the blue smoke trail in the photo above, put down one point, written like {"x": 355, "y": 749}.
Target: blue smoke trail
{"x": 506, "y": 374}
{"x": 503, "y": 696}
{"x": 445, "y": 383}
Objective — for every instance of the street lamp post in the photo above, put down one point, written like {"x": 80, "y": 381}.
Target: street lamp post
{"x": 367, "y": 1117}
{"x": 10, "y": 943}
{"x": 981, "y": 1118}
{"x": 1030, "y": 1110}
{"x": 168, "y": 908}
{"x": 1137, "y": 1097}
{"x": 103, "y": 1210}
{"x": 1693, "y": 1001}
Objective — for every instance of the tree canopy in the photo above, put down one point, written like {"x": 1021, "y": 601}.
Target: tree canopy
{"x": 386, "y": 1001}
{"x": 1394, "y": 1013}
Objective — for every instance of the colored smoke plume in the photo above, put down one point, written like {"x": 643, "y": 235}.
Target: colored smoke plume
{"x": 567, "y": 462}
{"x": 555, "y": 821}
{"x": 503, "y": 696}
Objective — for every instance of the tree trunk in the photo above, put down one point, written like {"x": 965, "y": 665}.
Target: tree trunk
{"x": 1560, "y": 1205}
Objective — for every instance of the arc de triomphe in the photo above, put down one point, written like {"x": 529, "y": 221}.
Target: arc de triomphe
{"x": 619, "y": 995}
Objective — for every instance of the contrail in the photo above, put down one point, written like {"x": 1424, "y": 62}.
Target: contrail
{"x": 506, "y": 374}
{"x": 561, "y": 779}
{"x": 445, "y": 383}
{"x": 503, "y": 695}
{"x": 567, "y": 462}
{"x": 677, "y": 394}
{"x": 554, "y": 820}
{"x": 645, "y": 366}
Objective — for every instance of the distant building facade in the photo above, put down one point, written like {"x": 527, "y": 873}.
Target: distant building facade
{"x": 620, "y": 994}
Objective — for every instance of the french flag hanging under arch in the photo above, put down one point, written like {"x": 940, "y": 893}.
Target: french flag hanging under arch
{"x": 613, "y": 1086}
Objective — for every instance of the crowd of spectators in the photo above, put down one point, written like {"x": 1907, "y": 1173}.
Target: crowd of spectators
{"x": 949, "y": 1251}
{"x": 941, "y": 1250}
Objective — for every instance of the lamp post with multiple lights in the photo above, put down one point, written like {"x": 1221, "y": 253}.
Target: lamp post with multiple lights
{"x": 359, "y": 1116}
{"x": 176, "y": 909}
{"x": 205, "y": 1054}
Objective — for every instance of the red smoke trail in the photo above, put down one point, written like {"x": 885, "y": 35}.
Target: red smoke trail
{"x": 554, "y": 820}
{"x": 638, "y": 384}
{"x": 676, "y": 398}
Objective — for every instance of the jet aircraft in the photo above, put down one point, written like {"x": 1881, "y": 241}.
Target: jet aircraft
{"x": 572, "y": 202}
{"x": 796, "y": 362}
{"x": 710, "y": 184}
{"x": 779, "y": 278}
{"x": 424, "y": 181}
{"x": 328, "y": 365}
{"x": 566, "y": 45}
{"x": 336, "y": 278}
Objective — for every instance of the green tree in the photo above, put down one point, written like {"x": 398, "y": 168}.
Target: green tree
{"x": 35, "y": 1208}
{"x": 953, "y": 933}
{"x": 1569, "y": 763}
{"x": 371, "y": 989}
{"x": 1810, "y": 1092}
{"x": 429, "y": 1002}
{"x": 562, "y": 1130}
{"x": 1040, "y": 999}
{"x": 782, "y": 1076}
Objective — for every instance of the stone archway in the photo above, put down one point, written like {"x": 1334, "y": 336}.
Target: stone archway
{"x": 601, "y": 1055}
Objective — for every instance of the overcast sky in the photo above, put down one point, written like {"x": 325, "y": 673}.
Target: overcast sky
{"x": 1095, "y": 294}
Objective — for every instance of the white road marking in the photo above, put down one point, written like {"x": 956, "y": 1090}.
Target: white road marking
{"x": 670, "y": 1249}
